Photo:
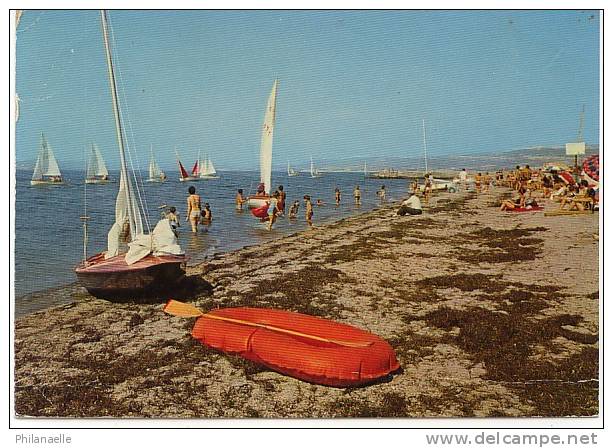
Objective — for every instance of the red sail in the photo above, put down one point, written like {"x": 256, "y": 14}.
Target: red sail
{"x": 195, "y": 169}
{"x": 183, "y": 172}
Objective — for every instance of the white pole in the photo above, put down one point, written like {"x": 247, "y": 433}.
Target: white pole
{"x": 423, "y": 125}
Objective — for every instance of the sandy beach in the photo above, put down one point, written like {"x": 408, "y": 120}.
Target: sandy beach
{"x": 490, "y": 313}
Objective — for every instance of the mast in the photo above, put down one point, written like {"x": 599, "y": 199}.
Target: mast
{"x": 118, "y": 127}
{"x": 423, "y": 125}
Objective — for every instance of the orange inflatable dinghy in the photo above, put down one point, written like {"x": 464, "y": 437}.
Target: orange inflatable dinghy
{"x": 305, "y": 347}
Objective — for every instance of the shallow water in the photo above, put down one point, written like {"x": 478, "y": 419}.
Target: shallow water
{"x": 49, "y": 232}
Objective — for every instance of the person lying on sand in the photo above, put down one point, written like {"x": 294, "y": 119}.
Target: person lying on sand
{"x": 508, "y": 204}
{"x": 410, "y": 206}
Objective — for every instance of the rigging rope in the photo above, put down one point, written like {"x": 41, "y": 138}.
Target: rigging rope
{"x": 137, "y": 179}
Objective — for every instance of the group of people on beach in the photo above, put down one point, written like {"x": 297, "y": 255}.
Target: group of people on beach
{"x": 528, "y": 183}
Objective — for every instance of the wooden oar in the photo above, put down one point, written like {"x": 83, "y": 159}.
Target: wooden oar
{"x": 181, "y": 309}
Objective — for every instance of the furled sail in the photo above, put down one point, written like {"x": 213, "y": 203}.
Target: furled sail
{"x": 127, "y": 212}
{"x": 266, "y": 142}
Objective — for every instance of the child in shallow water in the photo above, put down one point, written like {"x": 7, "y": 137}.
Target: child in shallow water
{"x": 293, "y": 210}
{"x": 173, "y": 218}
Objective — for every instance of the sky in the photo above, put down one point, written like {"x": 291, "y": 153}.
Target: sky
{"x": 351, "y": 83}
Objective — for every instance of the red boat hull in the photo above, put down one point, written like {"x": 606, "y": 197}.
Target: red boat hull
{"x": 115, "y": 279}
{"x": 326, "y": 363}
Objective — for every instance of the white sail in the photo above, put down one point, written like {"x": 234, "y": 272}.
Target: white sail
{"x": 288, "y": 169}
{"x": 204, "y": 166}
{"x": 210, "y": 168}
{"x": 102, "y": 171}
{"x": 312, "y": 169}
{"x": 46, "y": 165}
{"x": 266, "y": 143}
{"x": 126, "y": 206}
{"x": 155, "y": 172}
{"x": 96, "y": 166}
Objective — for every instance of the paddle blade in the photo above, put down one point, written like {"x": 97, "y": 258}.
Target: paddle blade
{"x": 181, "y": 309}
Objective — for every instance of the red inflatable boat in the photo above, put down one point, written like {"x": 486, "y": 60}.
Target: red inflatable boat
{"x": 305, "y": 347}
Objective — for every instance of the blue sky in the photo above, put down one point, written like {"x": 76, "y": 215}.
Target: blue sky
{"x": 352, "y": 84}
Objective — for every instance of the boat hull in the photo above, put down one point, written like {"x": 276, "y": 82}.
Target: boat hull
{"x": 211, "y": 177}
{"x": 97, "y": 181}
{"x": 189, "y": 179}
{"x": 114, "y": 279}
{"x": 45, "y": 182}
{"x": 315, "y": 361}
{"x": 155, "y": 181}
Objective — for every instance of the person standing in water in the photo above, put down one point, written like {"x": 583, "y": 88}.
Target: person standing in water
{"x": 293, "y": 210}
{"x": 193, "y": 208}
{"x": 381, "y": 193}
{"x": 240, "y": 199}
{"x": 337, "y": 196}
{"x": 273, "y": 209}
{"x": 308, "y": 210}
{"x": 207, "y": 215}
{"x": 357, "y": 195}
{"x": 281, "y": 200}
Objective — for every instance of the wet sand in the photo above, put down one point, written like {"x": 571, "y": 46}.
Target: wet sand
{"x": 490, "y": 314}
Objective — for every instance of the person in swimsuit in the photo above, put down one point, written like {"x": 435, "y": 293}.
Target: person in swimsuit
{"x": 173, "y": 219}
{"x": 240, "y": 199}
{"x": 273, "y": 209}
{"x": 281, "y": 200}
{"x": 381, "y": 193}
{"x": 507, "y": 204}
{"x": 261, "y": 192}
{"x": 414, "y": 186}
{"x": 293, "y": 210}
{"x": 309, "y": 210}
{"x": 478, "y": 182}
{"x": 193, "y": 208}
{"x": 427, "y": 188}
{"x": 337, "y": 195}
{"x": 487, "y": 180}
{"x": 207, "y": 215}
{"x": 357, "y": 195}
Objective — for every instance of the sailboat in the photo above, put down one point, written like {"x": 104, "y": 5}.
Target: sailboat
{"x": 96, "y": 168}
{"x": 291, "y": 172}
{"x": 259, "y": 204}
{"x": 184, "y": 176}
{"x": 208, "y": 169}
{"x": 155, "y": 173}
{"x": 314, "y": 171}
{"x": 153, "y": 261}
{"x": 46, "y": 171}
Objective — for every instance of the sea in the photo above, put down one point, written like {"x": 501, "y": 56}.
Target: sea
{"x": 49, "y": 232}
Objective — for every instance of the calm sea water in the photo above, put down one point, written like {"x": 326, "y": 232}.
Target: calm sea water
{"x": 49, "y": 233}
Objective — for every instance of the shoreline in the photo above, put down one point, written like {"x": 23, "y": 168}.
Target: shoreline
{"x": 489, "y": 314}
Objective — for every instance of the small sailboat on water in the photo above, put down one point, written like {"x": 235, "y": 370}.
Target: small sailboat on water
{"x": 258, "y": 204}
{"x": 96, "y": 168}
{"x": 155, "y": 173}
{"x": 314, "y": 171}
{"x": 46, "y": 171}
{"x": 207, "y": 169}
{"x": 153, "y": 261}
{"x": 291, "y": 172}
{"x": 183, "y": 174}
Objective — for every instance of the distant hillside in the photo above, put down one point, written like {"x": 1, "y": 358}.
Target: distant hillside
{"x": 535, "y": 156}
